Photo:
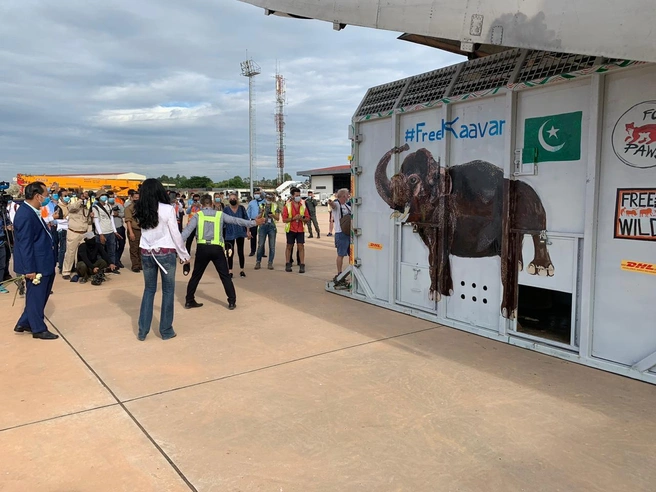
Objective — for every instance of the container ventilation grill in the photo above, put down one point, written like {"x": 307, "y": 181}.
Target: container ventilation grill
{"x": 428, "y": 87}
{"x": 486, "y": 73}
{"x": 382, "y": 98}
{"x": 540, "y": 64}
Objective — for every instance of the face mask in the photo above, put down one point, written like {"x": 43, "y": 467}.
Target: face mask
{"x": 112, "y": 200}
{"x": 297, "y": 199}
{"x": 256, "y": 196}
{"x": 67, "y": 199}
{"x": 45, "y": 201}
{"x": 233, "y": 202}
{"x": 217, "y": 199}
{"x": 55, "y": 196}
{"x": 103, "y": 199}
{"x": 196, "y": 200}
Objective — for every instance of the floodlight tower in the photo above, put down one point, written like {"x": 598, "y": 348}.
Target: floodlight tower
{"x": 280, "y": 124}
{"x": 250, "y": 69}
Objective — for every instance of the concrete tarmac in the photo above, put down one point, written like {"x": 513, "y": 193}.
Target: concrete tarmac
{"x": 301, "y": 390}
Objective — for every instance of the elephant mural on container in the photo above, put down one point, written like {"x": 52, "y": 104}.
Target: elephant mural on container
{"x": 460, "y": 211}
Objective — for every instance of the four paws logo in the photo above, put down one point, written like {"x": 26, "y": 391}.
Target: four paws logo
{"x": 634, "y": 136}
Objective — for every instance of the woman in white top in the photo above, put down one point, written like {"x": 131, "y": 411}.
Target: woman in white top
{"x": 160, "y": 243}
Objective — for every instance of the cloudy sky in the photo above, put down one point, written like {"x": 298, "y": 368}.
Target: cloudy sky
{"x": 154, "y": 86}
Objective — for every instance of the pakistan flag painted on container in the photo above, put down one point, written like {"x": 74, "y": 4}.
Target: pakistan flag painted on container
{"x": 553, "y": 138}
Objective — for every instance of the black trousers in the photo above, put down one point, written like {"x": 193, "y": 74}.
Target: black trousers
{"x": 230, "y": 245}
{"x": 253, "y": 239}
{"x": 204, "y": 255}
{"x": 120, "y": 244}
{"x": 190, "y": 241}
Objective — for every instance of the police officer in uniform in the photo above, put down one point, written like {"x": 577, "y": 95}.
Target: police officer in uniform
{"x": 208, "y": 225}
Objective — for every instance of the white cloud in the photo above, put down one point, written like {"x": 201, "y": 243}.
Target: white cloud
{"x": 158, "y": 115}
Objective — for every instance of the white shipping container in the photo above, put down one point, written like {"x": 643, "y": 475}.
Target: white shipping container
{"x": 514, "y": 201}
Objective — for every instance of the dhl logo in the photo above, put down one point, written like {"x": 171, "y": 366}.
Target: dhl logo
{"x": 634, "y": 266}
{"x": 379, "y": 247}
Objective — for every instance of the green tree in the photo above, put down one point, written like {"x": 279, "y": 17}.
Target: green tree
{"x": 287, "y": 177}
{"x": 197, "y": 182}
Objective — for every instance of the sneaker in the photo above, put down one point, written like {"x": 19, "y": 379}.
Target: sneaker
{"x": 301, "y": 269}
{"x": 75, "y": 278}
{"x": 329, "y": 234}
{"x": 270, "y": 266}
{"x": 288, "y": 267}
{"x": 257, "y": 265}
{"x": 3, "y": 290}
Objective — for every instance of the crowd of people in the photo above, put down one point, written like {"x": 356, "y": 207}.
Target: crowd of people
{"x": 82, "y": 235}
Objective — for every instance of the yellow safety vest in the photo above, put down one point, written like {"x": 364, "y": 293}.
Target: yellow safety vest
{"x": 288, "y": 226}
{"x": 217, "y": 240}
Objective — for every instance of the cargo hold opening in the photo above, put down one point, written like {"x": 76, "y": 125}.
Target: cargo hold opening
{"x": 545, "y": 314}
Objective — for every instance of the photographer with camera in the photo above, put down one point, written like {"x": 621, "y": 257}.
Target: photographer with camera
{"x": 61, "y": 219}
{"x": 79, "y": 220}
{"x": 92, "y": 260}
{"x": 118, "y": 214}
{"x": 105, "y": 228}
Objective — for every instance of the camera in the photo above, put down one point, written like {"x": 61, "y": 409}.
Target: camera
{"x": 4, "y": 196}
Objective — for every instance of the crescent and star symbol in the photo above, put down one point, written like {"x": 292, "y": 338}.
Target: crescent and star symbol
{"x": 552, "y": 133}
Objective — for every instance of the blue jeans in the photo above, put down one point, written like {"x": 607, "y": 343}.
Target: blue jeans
{"x": 62, "y": 248}
{"x": 264, "y": 231}
{"x": 110, "y": 247}
{"x": 150, "y": 269}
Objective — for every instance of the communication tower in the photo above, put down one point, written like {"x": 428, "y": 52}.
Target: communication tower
{"x": 280, "y": 124}
{"x": 250, "y": 69}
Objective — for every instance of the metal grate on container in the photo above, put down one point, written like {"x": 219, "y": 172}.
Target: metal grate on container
{"x": 382, "y": 98}
{"x": 540, "y": 64}
{"x": 486, "y": 73}
{"x": 428, "y": 87}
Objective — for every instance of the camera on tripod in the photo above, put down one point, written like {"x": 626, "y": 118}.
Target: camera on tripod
{"x": 4, "y": 196}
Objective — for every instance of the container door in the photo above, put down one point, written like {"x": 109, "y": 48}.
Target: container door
{"x": 547, "y": 210}
{"x": 374, "y": 246}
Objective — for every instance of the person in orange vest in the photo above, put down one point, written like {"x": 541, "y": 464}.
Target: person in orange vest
{"x": 295, "y": 215}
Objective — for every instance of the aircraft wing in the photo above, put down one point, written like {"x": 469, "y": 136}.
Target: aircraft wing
{"x": 609, "y": 28}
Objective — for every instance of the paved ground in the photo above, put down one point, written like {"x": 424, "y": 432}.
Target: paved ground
{"x": 300, "y": 390}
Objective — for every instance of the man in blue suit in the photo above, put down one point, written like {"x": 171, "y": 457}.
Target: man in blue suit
{"x": 34, "y": 252}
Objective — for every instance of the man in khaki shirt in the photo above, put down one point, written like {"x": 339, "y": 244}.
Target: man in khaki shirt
{"x": 79, "y": 222}
{"x": 134, "y": 233}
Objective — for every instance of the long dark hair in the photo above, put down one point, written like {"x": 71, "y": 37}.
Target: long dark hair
{"x": 152, "y": 193}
